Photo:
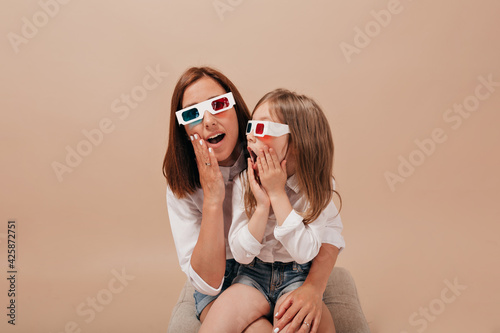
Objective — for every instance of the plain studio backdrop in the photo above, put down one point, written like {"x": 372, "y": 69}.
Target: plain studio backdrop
{"x": 412, "y": 93}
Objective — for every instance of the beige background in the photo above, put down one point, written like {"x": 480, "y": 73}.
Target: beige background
{"x": 109, "y": 213}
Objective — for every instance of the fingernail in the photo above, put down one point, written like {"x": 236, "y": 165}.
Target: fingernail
{"x": 276, "y": 330}
{"x": 276, "y": 315}
{"x": 210, "y": 149}
{"x": 201, "y": 142}
{"x": 191, "y": 137}
{"x": 196, "y": 136}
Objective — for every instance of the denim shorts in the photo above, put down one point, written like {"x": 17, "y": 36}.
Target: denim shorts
{"x": 273, "y": 279}
{"x": 203, "y": 300}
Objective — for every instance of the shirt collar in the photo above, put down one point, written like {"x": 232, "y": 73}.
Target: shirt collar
{"x": 228, "y": 173}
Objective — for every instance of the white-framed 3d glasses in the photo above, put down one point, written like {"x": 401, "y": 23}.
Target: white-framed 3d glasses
{"x": 262, "y": 128}
{"x": 214, "y": 105}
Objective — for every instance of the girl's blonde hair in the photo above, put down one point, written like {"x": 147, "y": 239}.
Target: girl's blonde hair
{"x": 312, "y": 144}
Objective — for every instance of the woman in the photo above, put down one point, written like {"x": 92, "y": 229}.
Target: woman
{"x": 205, "y": 152}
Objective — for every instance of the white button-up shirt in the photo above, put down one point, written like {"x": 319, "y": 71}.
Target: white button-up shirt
{"x": 293, "y": 240}
{"x": 185, "y": 220}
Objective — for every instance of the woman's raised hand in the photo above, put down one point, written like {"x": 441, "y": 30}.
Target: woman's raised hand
{"x": 211, "y": 179}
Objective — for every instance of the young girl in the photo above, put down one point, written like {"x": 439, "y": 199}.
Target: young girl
{"x": 286, "y": 214}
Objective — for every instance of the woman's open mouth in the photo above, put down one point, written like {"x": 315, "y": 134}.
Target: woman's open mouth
{"x": 215, "y": 139}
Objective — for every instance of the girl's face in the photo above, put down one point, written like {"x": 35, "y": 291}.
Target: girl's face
{"x": 220, "y": 131}
{"x": 278, "y": 143}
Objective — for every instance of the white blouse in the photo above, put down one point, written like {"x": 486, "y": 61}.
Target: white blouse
{"x": 293, "y": 240}
{"x": 185, "y": 220}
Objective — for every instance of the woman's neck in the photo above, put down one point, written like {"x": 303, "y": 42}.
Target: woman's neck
{"x": 232, "y": 158}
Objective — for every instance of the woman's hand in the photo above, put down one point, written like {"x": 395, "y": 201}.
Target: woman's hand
{"x": 272, "y": 173}
{"x": 304, "y": 304}
{"x": 211, "y": 179}
{"x": 259, "y": 193}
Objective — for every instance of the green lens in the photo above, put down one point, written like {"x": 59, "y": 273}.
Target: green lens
{"x": 190, "y": 114}
{"x": 249, "y": 127}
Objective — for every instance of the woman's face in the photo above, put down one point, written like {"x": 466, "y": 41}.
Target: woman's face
{"x": 220, "y": 131}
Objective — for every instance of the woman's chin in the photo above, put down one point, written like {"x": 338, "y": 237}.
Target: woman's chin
{"x": 225, "y": 159}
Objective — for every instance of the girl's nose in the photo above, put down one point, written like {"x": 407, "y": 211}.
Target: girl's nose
{"x": 250, "y": 137}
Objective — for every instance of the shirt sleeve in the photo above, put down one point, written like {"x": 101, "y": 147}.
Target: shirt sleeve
{"x": 242, "y": 243}
{"x": 332, "y": 233}
{"x": 302, "y": 241}
{"x": 185, "y": 222}
{"x": 333, "y": 230}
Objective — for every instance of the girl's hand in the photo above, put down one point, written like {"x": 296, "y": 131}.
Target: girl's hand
{"x": 303, "y": 304}
{"x": 272, "y": 173}
{"x": 259, "y": 193}
{"x": 211, "y": 179}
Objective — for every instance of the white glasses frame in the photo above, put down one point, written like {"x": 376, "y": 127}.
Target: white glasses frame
{"x": 205, "y": 106}
{"x": 270, "y": 128}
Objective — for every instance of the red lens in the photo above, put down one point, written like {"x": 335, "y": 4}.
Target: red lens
{"x": 220, "y": 104}
{"x": 259, "y": 129}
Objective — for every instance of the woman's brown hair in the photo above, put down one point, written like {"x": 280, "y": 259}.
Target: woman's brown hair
{"x": 179, "y": 164}
{"x": 312, "y": 144}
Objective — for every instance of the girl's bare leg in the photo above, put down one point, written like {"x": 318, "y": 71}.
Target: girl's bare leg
{"x": 326, "y": 325}
{"x": 235, "y": 309}
{"x": 259, "y": 326}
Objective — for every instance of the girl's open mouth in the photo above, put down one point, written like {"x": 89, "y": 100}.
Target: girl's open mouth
{"x": 253, "y": 156}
